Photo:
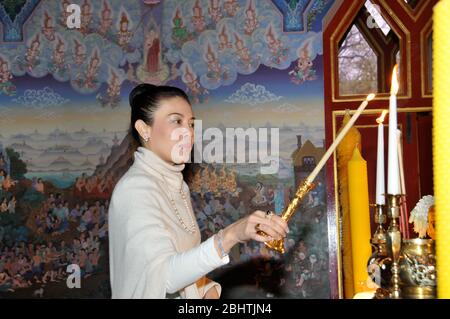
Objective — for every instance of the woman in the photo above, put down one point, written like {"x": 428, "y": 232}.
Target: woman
{"x": 155, "y": 249}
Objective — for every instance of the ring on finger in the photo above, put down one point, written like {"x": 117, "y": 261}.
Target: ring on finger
{"x": 269, "y": 214}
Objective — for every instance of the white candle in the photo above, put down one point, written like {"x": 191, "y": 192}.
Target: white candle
{"x": 339, "y": 138}
{"x": 393, "y": 173}
{"x": 380, "y": 188}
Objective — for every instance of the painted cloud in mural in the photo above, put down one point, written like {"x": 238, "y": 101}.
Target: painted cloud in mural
{"x": 252, "y": 94}
{"x": 40, "y": 98}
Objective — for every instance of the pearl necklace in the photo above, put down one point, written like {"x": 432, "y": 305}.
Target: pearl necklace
{"x": 192, "y": 228}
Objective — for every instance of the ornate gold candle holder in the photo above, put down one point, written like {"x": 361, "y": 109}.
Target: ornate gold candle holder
{"x": 303, "y": 189}
{"x": 395, "y": 243}
{"x": 379, "y": 238}
{"x": 380, "y": 257}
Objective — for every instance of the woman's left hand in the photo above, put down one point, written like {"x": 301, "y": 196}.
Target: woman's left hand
{"x": 212, "y": 293}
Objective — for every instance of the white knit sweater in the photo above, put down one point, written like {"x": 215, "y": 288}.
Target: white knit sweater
{"x": 151, "y": 254}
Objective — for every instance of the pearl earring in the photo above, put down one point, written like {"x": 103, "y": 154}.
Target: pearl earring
{"x": 146, "y": 138}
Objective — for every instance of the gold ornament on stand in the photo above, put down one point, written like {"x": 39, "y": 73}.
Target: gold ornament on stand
{"x": 395, "y": 243}
{"x": 307, "y": 185}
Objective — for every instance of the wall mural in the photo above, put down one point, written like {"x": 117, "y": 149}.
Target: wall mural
{"x": 64, "y": 139}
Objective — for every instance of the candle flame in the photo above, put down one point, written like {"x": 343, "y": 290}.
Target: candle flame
{"x": 370, "y": 97}
{"x": 380, "y": 120}
{"x": 394, "y": 84}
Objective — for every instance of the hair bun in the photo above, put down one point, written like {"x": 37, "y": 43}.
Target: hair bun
{"x": 139, "y": 92}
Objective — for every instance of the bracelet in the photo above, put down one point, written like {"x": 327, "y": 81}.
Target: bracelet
{"x": 220, "y": 244}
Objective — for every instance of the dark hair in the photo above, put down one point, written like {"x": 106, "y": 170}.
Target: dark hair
{"x": 144, "y": 101}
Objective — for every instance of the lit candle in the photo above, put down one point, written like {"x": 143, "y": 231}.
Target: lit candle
{"x": 441, "y": 142}
{"x": 358, "y": 191}
{"x": 380, "y": 188}
{"x": 339, "y": 138}
{"x": 393, "y": 173}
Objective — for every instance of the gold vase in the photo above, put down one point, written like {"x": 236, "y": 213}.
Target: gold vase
{"x": 418, "y": 269}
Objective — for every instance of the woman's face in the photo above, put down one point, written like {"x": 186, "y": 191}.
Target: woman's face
{"x": 172, "y": 132}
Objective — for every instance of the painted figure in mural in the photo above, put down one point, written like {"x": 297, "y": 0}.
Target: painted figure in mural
{"x": 86, "y": 17}
{"x": 222, "y": 179}
{"x": 179, "y": 32}
{"x": 112, "y": 97}
{"x": 242, "y": 51}
{"x": 79, "y": 53}
{"x": 214, "y": 67}
{"x": 64, "y": 14}
{"x": 57, "y": 64}
{"x": 213, "y": 185}
{"x": 114, "y": 89}
{"x": 260, "y": 198}
{"x": 48, "y": 29}
{"x": 6, "y": 86}
{"x": 214, "y": 10}
{"x": 32, "y": 54}
{"x": 105, "y": 19}
{"x": 153, "y": 55}
{"x": 232, "y": 184}
{"x": 303, "y": 71}
{"x": 124, "y": 35}
{"x": 196, "y": 184}
{"x": 92, "y": 70}
{"x": 224, "y": 42}
{"x": 90, "y": 77}
{"x": 231, "y": 7}
{"x": 131, "y": 74}
{"x": 172, "y": 261}
{"x": 196, "y": 93}
{"x": 251, "y": 20}
{"x": 198, "y": 20}
{"x": 276, "y": 49}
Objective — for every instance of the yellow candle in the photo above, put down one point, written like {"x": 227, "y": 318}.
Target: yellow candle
{"x": 344, "y": 153}
{"x": 441, "y": 142}
{"x": 359, "y": 219}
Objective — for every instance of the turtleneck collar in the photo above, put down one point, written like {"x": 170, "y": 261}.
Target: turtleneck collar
{"x": 157, "y": 167}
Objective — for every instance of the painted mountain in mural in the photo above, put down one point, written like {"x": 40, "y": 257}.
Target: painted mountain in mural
{"x": 119, "y": 160}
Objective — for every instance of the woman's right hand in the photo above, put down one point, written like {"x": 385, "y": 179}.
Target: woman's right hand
{"x": 246, "y": 229}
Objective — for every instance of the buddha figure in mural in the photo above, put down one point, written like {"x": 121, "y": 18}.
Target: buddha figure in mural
{"x": 79, "y": 52}
{"x": 196, "y": 93}
{"x": 215, "y": 11}
{"x": 124, "y": 35}
{"x": 224, "y": 42}
{"x": 105, "y": 19}
{"x": 48, "y": 30}
{"x": 6, "y": 86}
{"x": 58, "y": 56}
{"x": 153, "y": 54}
{"x": 32, "y": 54}
{"x": 86, "y": 16}
{"x": 242, "y": 51}
{"x": 251, "y": 20}
{"x": 198, "y": 20}
{"x": 214, "y": 67}
{"x": 231, "y": 7}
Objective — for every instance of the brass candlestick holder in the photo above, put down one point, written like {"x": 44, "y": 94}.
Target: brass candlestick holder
{"x": 303, "y": 189}
{"x": 379, "y": 238}
{"x": 395, "y": 242}
{"x": 380, "y": 256}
